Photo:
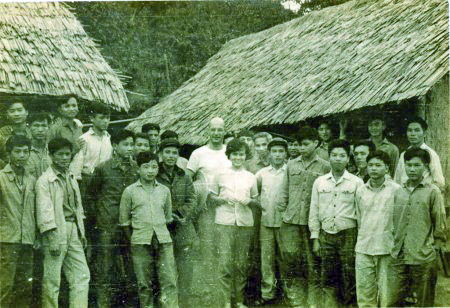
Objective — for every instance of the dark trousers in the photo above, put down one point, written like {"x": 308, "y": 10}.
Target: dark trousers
{"x": 419, "y": 281}
{"x": 113, "y": 266}
{"x": 337, "y": 252}
{"x": 145, "y": 257}
{"x": 16, "y": 272}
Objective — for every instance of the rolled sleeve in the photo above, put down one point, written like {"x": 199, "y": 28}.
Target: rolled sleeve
{"x": 45, "y": 212}
{"x": 168, "y": 207}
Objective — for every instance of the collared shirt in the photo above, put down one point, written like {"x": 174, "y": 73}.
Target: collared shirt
{"x": 147, "y": 210}
{"x": 392, "y": 151}
{"x": 322, "y": 151}
{"x": 374, "y": 210}
{"x": 95, "y": 150}
{"x": 38, "y": 161}
{"x": 206, "y": 162}
{"x": 363, "y": 175}
{"x": 255, "y": 164}
{"x": 432, "y": 175}
{"x": 297, "y": 186}
{"x": 234, "y": 185}
{"x": 107, "y": 185}
{"x": 181, "y": 190}
{"x": 419, "y": 218}
{"x": 6, "y": 132}
{"x": 69, "y": 205}
{"x": 270, "y": 185}
{"x": 17, "y": 207}
{"x": 333, "y": 203}
{"x": 70, "y": 131}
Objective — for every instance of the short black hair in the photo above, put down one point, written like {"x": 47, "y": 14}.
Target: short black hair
{"x": 417, "y": 152}
{"x": 339, "y": 143}
{"x": 39, "y": 117}
{"x": 236, "y": 145}
{"x": 150, "y": 126}
{"x": 307, "y": 133}
{"x": 366, "y": 143}
{"x": 58, "y": 143}
{"x": 419, "y": 120}
{"x": 246, "y": 133}
{"x": 121, "y": 134}
{"x": 9, "y": 102}
{"x": 99, "y": 109}
{"x": 140, "y": 135}
{"x": 376, "y": 115}
{"x": 168, "y": 134}
{"x": 228, "y": 135}
{"x": 65, "y": 98}
{"x": 17, "y": 141}
{"x": 146, "y": 157}
{"x": 383, "y": 156}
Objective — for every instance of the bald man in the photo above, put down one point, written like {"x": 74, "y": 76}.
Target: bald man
{"x": 203, "y": 165}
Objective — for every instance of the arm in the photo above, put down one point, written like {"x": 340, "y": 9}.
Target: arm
{"x": 314, "y": 222}
{"x": 125, "y": 213}
{"x": 76, "y": 166}
{"x": 168, "y": 207}
{"x": 436, "y": 171}
{"x": 438, "y": 217}
{"x": 400, "y": 170}
{"x": 190, "y": 200}
{"x": 394, "y": 160}
{"x": 214, "y": 193}
{"x": 284, "y": 194}
{"x": 358, "y": 207}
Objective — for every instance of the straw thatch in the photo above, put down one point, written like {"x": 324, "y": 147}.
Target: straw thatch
{"x": 358, "y": 54}
{"x": 44, "y": 50}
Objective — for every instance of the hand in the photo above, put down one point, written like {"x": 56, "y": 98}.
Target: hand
{"x": 53, "y": 245}
{"x": 316, "y": 246}
{"x": 178, "y": 217}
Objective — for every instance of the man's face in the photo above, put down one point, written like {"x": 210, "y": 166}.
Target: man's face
{"x": 39, "y": 130}
{"x": 69, "y": 109}
{"x": 415, "y": 134}
{"x": 216, "y": 133}
{"x": 19, "y": 155}
{"x": 62, "y": 158}
{"x": 17, "y": 113}
{"x": 278, "y": 154}
{"x": 169, "y": 156}
{"x": 261, "y": 147}
{"x": 141, "y": 145}
{"x": 338, "y": 159}
{"x": 148, "y": 171}
{"x": 376, "y": 168}
{"x": 293, "y": 149}
{"x": 324, "y": 132}
{"x": 248, "y": 140}
{"x": 307, "y": 147}
{"x": 360, "y": 153}
{"x": 415, "y": 168}
{"x": 124, "y": 148}
{"x": 153, "y": 137}
{"x": 376, "y": 128}
{"x": 101, "y": 121}
{"x": 237, "y": 158}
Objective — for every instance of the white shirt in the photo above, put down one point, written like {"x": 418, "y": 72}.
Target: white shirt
{"x": 433, "y": 174}
{"x": 234, "y": 185}
{"x": 95, "y": 150}
{"x": 206, "y": 162}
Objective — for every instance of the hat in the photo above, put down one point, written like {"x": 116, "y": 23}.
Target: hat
{"x": 278, "y": 141}
{"x": 169, "y": 142}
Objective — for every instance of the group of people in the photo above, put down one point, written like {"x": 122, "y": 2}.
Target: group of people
{"x": 123, "y": 211}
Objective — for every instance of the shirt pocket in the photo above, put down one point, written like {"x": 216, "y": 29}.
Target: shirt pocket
{"x": 295, "y": 177}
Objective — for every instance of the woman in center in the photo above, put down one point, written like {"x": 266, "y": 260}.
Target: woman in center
{"x": 234, "y": 192}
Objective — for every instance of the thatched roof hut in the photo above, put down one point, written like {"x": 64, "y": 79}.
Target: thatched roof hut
{"x": 343, "y": 58}
{"x": 45, "y": 51}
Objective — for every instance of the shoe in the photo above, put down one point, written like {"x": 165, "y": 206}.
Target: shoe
{"x": 241, "y": 305}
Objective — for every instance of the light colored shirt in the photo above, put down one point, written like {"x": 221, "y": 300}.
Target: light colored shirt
{"x": 206, "y": 163}
{"x": 374, "y": 210}
{"x": 70, "y": 131}
{"x": 333, "y": 203}
{"x": 234, "y": 185}
{"x": 95, "y": 150}
{"x": 392, "y": 151}
{"x": 322, "y": 151}
{"x": 419, "y": 219}
{"x": 17, "y": 207}
{"x": 270, "y": 185}
{"x": 255, "y": 164}
{"x": 433, "y": 174}
{"x": 38, "y": 161}
{"x": 147, "y": 210}
{"x": 297, "y": 186}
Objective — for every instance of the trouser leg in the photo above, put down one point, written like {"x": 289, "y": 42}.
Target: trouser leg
{"x": 225, "y": 241}
{"x": 8, "y": 266}
{"x": 51, "y": 279}
{"x": 242, "y": 242}
{"x": 142, "y": 263}
{"x": 420, "y": 277}
{"x": 23, "y": 284}
{"x": 292, "y": 266}
{"x": 106, "y": 249}
{"x": 387, "y": 277}
{"x": 347, "y": 261}
{"x": 268, "y": 283}
{"x": 312, "y": 278}
{"x": 330, "y": 268}
{"x": 76, "y": 270}
{"x": 167, "y": 276}
{"x": 366, "y": 280}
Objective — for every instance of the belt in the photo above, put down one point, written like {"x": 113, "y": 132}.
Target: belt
{"x": 70, "y": 219}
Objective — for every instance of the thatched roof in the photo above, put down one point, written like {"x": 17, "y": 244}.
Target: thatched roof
{"x": 44, "y": 50}
{"x": 361, "y": 53}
